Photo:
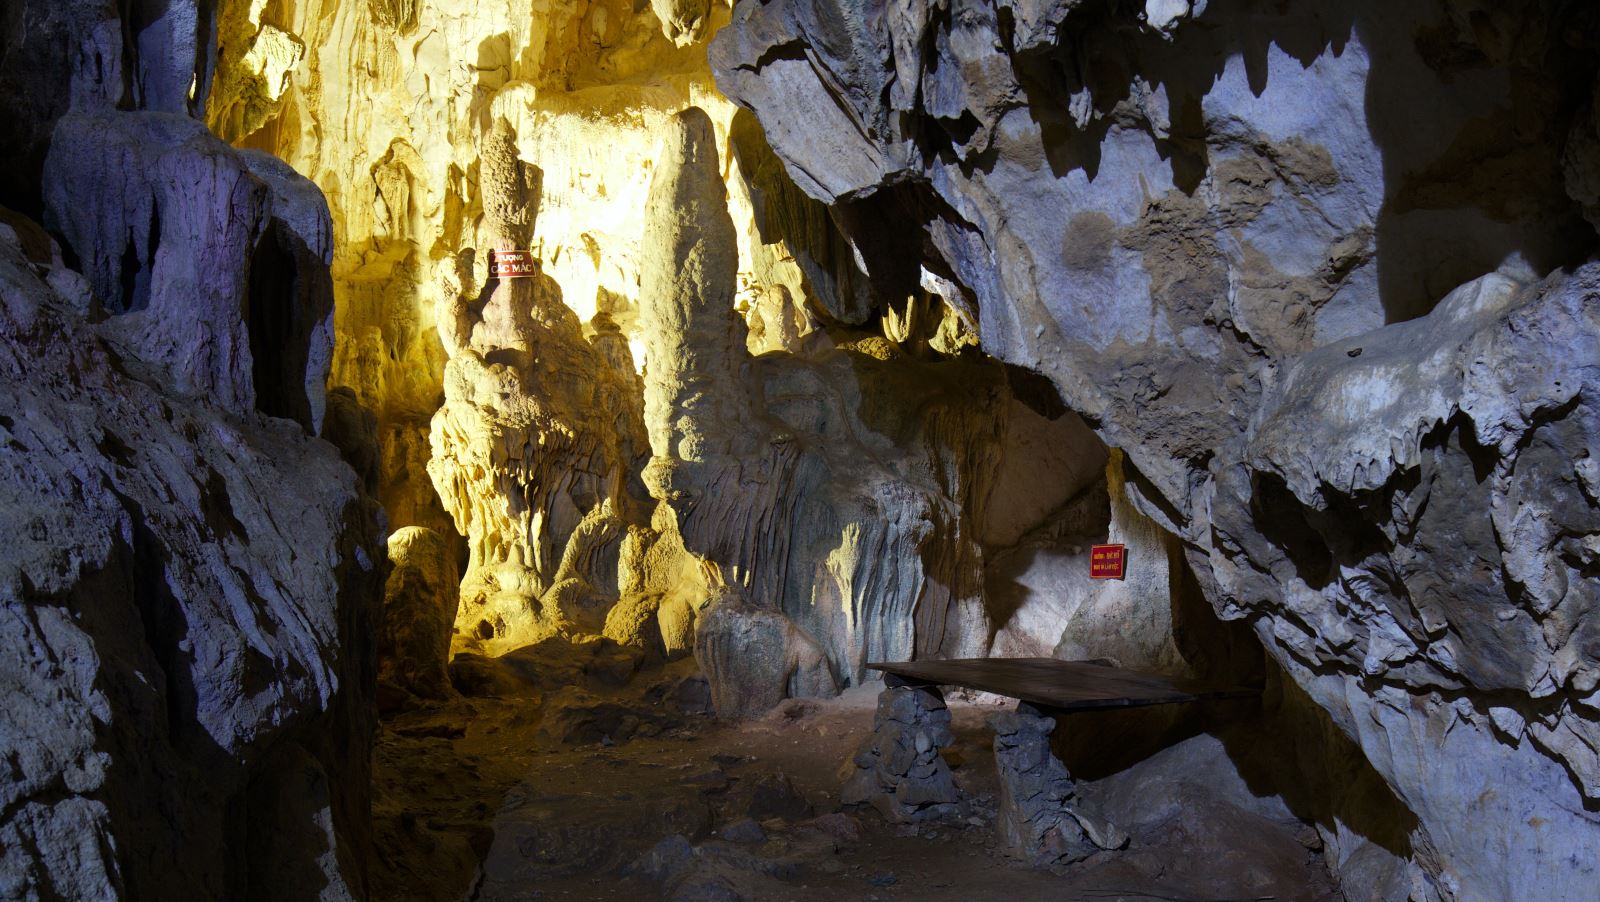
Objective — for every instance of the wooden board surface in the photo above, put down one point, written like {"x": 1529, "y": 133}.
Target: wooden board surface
{"x": 1063, "y": 685}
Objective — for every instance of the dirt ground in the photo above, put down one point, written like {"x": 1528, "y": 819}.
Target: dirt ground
{"x": 572, "y": 782}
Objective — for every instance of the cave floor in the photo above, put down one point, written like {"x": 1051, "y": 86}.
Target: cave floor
{"x": 514, "y": 798}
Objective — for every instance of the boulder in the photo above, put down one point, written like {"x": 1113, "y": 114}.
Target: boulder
{"x": 755, "y": 658}
{"x": 419, "y": 613}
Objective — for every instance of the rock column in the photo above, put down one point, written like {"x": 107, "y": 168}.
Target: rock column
{"x": 898, "y": 769}
{"x": 535, "y": 448}
{"x": 697, "y": 405}
{"x": 1036, "y": 820}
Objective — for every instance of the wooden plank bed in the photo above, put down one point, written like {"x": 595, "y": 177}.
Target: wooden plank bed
{"x": 1062, "y": 685}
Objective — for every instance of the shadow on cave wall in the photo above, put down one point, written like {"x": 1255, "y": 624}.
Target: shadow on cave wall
{"x": 289, "y": 294}
{"x": 1461, "y": 194}
{"x": 190, "y": 818}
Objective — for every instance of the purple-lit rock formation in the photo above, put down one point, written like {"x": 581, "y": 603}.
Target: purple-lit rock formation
{"x": 191, "y": 579}
{"x": 188, "y": 600}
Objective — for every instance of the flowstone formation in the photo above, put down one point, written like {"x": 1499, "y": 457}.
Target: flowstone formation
{"x": 538, "y": 445}
{"x": 850, "y": 494}
{"x": 419, "y": 617}
{"x": 1233, "y": 238}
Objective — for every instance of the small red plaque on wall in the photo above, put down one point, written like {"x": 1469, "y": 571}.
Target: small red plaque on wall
{"x": 512, "y": 264}
{"x": 1108, "y": 561}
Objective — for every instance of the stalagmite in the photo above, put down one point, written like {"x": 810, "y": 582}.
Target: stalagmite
{"x": 536, "y": 447}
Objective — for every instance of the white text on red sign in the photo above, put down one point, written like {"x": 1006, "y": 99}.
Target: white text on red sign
{"x": 512, "y": 264}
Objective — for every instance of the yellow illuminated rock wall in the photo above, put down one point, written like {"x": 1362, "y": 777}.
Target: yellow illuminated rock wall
{"x": 831, "y": 466}
{"x": 384, "y": 105}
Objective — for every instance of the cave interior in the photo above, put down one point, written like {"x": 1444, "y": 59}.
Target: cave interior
{"x": 486, "y": 450}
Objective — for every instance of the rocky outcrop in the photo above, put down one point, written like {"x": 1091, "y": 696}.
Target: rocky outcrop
{"x": 188, "y": 598}
{"x": 213, "y": 263}
{"x": 189, "y": 588}
{"x": 85, "y": 55}
{"x": 1441, "y": 582}
{"x": 1200, "y": 225}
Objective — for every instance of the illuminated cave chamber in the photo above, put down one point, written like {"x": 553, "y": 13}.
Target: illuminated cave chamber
{"x": 702, "y": 394}
{"x": 855, "y": 325}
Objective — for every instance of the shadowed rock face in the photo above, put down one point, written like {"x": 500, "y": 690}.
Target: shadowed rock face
{"x": 1233, "y": 236}
{"x": 190, "y": 579}
{"x": 419, "y": 615}
{"x": 187, "y": 600}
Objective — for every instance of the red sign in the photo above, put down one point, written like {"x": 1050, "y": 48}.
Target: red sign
{"x": 1108, "y": 561}
{"x": 512, "y": 264}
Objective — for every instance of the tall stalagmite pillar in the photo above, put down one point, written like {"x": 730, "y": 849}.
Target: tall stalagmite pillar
{"x": 697, "y": 405}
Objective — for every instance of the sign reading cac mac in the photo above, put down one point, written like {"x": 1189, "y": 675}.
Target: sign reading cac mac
{"x": 1108, "y": 561}
{"x": 512, "y": 264}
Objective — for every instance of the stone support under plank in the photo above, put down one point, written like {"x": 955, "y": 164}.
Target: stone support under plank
{"x": 898, "y": 769}
{"x": 1037, "y": 819}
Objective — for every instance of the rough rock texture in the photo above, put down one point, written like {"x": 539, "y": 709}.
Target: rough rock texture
{"x": 419, "y": 615}
{"x": 898, "y": 769}
{"x": 1190, "y": 814}
{"x": 212, "y": 262}
{"x": 851, "y": 492}
{"x": 1039, "y": 819}
{"x": 1464, "y": 558}
{"x": 754, "y": 658}
{"x": 79, "y": 55}
{"x": 186, "y": 604}
{"x": 1200, "y": 225}
{"x": 190, "y": 581}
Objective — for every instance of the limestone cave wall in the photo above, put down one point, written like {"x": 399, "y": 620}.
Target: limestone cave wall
{"x": 1321, "y": 271}
{"x": 855, "y": 323}
{"x": 191, "y": 580}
